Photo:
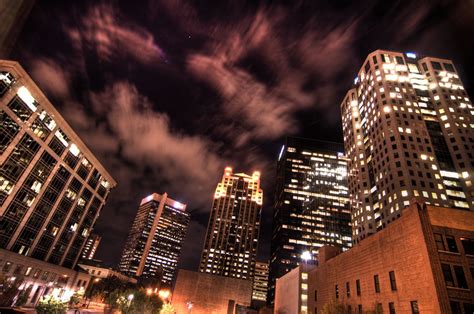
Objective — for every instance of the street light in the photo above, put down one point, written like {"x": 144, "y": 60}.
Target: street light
{"x": 306, "y": 256}
{"x": 164, "y": 294}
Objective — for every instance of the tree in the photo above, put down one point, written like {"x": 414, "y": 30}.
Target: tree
{"x": 334, "y": 307}
{"x": 50, "y": 305}
{"x": 9, "y": 288}
{"x": 167, "y": 309}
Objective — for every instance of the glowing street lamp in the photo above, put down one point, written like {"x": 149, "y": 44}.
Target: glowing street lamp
{"x": 189, "y": 304}
{"x": 306, "y": 256}
{"x": 164, "y": 294}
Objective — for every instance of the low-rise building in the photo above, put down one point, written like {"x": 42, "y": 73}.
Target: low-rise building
{"x": 98, "y": 269}
{"x": 38, "y": 278}
{"x": 422, "y": 262}
{"x": 291, "y": 291}
{"x": 201, "y": 293}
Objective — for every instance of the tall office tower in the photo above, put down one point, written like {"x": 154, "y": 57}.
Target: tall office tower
{"x": 311, "y": 206}
{"x": 260, "y": 282}
{"x": 91, "y": 246}
{"x": 408, "y": 132}
{"x": 230, "y": 246}
{"x": 13, "y": 15}
{"x": 156, "y": 238}
{"x": 52, "y": 187}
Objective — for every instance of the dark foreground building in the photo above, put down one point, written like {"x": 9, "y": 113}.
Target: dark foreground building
{"x": 52, "y": 187}
{"x": 422, "y": 262}
{"x": 311, "y": 205}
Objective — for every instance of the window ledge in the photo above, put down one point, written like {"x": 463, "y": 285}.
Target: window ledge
{"x": 449, "y": 252}
{"x": 460, "y": 289}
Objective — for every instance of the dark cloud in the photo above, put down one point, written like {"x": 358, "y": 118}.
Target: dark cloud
{"x": 168, "y": 93}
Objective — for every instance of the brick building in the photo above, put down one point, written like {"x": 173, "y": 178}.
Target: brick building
{"x": 210, "y": 294}
{"x": 421, "y": 263}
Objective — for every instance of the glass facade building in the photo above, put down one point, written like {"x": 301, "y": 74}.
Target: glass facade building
{"x": 408, "y": 130}
{"x": 153, "y": 246}
{"x": 52, "y": 187}
{"x": 230, "y": 247}
{"x": 311, "y": 206}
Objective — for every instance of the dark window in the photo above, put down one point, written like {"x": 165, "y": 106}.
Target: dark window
{"x": 460, "y": 277}
{"x": 358, "y": 287}
{"x": 315, "y": 295}
{"x": 399, "y": 60}
{"x": 448, "y": 275}
{"x": 377, "y": 283}
{"x": 8, "y": 130}
{"x": 452, "y": 247}
{"x": 359, "y": 307}
{"x": 337, "y": 291}
{"x": 393, "y": 283}
{"x": 449, "y": 67}
{"x": 379, "y": 308}
{"x": 468, "y": 308}
{"x": 414, "y": 307}
{"x": 19, "y": 107}
{"x": 468, "y": 246}
{"x": 391, "y": 308}
{"x": 455, "y": 307}
{"x": 348, "y": 290}
{"x": 436, "y": 65}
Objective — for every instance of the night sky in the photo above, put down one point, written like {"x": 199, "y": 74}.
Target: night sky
{"x": 168, "y": 93}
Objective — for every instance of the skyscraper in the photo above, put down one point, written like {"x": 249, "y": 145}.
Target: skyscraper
{"x": 260, "y": 282}
{"x": 52, "y": 187}
{"x": 13, "y": 15}
{"x": 311, "y": 206}
{"x": 408, "y": 132}
{"x": 230, "y": 246}
{"x": 155, "y": 240}
{"x": 91, "y": 246}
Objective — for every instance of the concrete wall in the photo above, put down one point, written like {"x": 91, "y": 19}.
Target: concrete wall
{"x": 210, "y": 294}
{"x": 287, "y": 293}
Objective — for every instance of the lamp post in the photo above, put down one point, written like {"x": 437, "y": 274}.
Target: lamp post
{"x": 306, "y": 256}
{"x": 129, "y": 298}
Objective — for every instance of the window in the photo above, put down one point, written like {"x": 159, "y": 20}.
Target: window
{"x": 377, "y": 283}
{"x": 452, "y": 247}
{"x": 448, "y": 275}
{"x": 393, "y": 283}
{"x": 436, "y": 65}
{"x": 315, "y": 295}
{"x": 358, "y": 287}
{"x": 439, "y": 242}
{"x": 399, "y": 60}
{"x": 379, "y": 308}
{"x": 391, "y": 308}
{"x": 337, "y": 291}
{"x": 348, "y": 290}
{"x": 460, "y": 277}
{"x": 359, "y": 309}
{"x": 7, "y": 267}
{"x": 449, "y": 67}
{"x": 455, "y": 307}
{"x": 414, "y": 307}
{"x": 468, "y": 246}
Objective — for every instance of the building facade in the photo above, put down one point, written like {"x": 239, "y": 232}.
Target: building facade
{"x": 408, "y": 128}
{"x": 98, "y": 270}
{"x": 291, "y": 291}
{"x": 202, "y": 293}
{"x": 311, "y": 205}
{"x": 421, "y": 263}
{"x": 52, "y": 187}
{"x": 154, "y": 244}
{"x": 13, "y": 15}
{"x": 91, "y": 246}
{"x": 35, "y": 278}
{"x": 260, "y": 283}
{"x": 230, "y": 247}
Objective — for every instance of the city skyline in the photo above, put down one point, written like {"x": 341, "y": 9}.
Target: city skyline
{"x": 191, "y": 104}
